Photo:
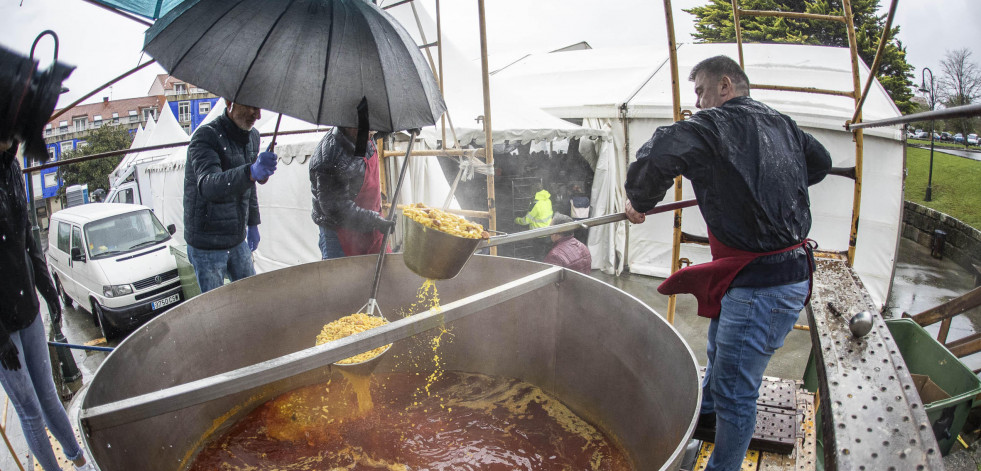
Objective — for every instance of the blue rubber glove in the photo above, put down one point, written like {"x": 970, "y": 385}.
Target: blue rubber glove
{"x": 252, "y": 237}
{"x": 264, "y": 166}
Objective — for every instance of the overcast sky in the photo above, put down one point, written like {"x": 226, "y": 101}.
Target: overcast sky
{"x": 104, "y": 45}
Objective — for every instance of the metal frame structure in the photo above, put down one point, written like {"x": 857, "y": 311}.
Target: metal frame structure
{"x": 859, "y": 93}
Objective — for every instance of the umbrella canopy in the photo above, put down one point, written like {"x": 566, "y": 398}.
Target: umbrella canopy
{"x": 151, "y": 9}
{"x": 310, "y": 59}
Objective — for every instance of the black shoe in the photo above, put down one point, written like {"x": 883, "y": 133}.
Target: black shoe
{"x": 705, "y": 428}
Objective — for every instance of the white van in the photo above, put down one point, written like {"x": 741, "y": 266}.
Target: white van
{"x": 114, "y": 260}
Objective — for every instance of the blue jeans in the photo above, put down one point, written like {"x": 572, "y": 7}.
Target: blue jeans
{"x": 750, "y": 328}
{"x": 330, "y": 245}
{"x": 212, "y": 266}
{"x": 32, "y": 391}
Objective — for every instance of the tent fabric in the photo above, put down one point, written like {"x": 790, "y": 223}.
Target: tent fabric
{"x": 629, "y": 90}
{"x": 151, "y": 9}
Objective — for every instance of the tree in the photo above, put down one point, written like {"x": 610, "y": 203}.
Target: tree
{"x": 96, "y": 172}
{"x": 714, "y": 23}
{"x": 959, "y": 84}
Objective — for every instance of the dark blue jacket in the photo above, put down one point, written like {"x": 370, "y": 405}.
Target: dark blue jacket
{"x": 750, "y": 167}
{"x": 219, "y": 194}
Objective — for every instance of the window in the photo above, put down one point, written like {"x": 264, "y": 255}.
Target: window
{"x": 204, "y": 107}
{"x": 51, "y": 180}
{"x": 79, "y": 123}
{"x": 149, "y": 113}
{"x": 124, "y": 196}
{"x": 67, "y": 146}
{"x": 187, "y": 129}
{"x": 63, "y": 231}
{"x": 81, "y": 144}
{"x": 63, "y": 126}
{"x": 47, "y": 129}
{"x": 180, "y": 88}
{"x": 97, "y": 121}
{"x": 77, "y": 238}
{"x": 52, "y": 153}
{"x": 115, "y": 118}
{"x": 133, "y": 116}
{"x": 183, "y": 111}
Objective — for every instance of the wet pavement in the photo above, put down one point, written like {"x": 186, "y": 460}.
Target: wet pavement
{"x": 920, "y": 282}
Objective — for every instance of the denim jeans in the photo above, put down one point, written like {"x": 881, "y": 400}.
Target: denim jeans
{"x": 750, "y": 328}
{"x": 330, "y": 245}
{"x": 31, "y": 389}
{"x": 212, "y": 266}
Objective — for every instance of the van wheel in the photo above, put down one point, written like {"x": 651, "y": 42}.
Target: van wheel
{"x": 107, "y": 331}
{"x": 62, "y": 294}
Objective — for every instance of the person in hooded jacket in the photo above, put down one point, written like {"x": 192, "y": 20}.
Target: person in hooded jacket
{"x": 347, "y": 196}
{"x": 750, "y": 168}
{"x": 567, "y": 251}
{"x": 221, "y": 208}
{"x": 26, "y": 365}
{"x": 539, "y": 216}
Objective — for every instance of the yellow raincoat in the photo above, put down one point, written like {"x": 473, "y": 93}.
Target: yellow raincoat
{"x": 540, "y": 214}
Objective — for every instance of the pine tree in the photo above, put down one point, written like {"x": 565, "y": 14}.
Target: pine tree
{"x": 714, "y": 23}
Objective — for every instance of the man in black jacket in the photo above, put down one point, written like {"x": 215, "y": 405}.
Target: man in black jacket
{"x": 221, "y": 209}
{"x": 750, "y": 167}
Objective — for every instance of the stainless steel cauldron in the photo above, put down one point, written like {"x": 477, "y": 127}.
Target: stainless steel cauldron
{"x": 605, "y": 354}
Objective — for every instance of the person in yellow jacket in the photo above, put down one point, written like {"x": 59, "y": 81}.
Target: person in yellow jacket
{"x": 539, "y": 216}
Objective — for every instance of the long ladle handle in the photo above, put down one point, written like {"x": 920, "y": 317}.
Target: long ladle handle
{"x": 391, "y": 217}
{"x": 571, "y": 226}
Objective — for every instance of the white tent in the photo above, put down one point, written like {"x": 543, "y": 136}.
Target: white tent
{"x": 628, "y": 91}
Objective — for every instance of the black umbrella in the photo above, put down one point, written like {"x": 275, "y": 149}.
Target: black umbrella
{"x": 311, "y": 59}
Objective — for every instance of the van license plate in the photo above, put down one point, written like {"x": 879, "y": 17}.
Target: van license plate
{"x": 165, "y": 301}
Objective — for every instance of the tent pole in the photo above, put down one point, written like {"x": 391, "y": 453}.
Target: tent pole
{"x": 858, "y": 133}
{"x": 439, "y": 52}
{"x": 488, "y": 136}
{"x": 432, "y": 65}
{"x": 676, "y": 101}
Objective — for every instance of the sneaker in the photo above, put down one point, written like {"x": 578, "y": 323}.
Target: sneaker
{"x": 86, "y": 467}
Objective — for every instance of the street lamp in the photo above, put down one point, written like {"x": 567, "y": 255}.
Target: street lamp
{"x": 931, "y": 91}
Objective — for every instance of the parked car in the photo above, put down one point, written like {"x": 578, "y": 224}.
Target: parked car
{"x": 114, "y": 261}
{"x": 921, "y": 134}
{"x": 972, "y": 139}
{"x": 945, "y": 136}
{"x": 959, "y": 138}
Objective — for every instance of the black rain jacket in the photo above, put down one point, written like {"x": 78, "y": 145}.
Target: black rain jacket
{"x": 336, "y": 177}
{"x": 219, "y": 194}
{"x": 750, "y": 167}
{"x": 22, "y": 265}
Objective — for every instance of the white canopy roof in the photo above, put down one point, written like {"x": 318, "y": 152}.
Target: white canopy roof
{"x": 595, "y": 82}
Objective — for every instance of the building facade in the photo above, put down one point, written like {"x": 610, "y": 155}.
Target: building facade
{"x": 189, "y": 103}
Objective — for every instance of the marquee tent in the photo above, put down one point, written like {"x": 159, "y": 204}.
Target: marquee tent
{"x": 628, "y": 91}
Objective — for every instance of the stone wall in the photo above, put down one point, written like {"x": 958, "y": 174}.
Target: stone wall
{"x": 963, "y": 242}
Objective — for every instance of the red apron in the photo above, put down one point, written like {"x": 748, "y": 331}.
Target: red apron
{"x": 364, "y": 243}
{"x": 710, "y": 281}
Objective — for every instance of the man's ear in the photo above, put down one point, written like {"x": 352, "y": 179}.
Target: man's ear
{"x": 725, "y": 87}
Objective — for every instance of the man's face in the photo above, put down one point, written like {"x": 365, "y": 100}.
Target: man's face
{"x": 711, "y": 92}
{"x": 244, "y": 116}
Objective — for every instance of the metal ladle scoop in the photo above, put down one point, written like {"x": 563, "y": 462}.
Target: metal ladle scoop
{"x": 436, "y": 255}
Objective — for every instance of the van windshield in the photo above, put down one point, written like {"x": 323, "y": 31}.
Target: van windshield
{"x": 124, "y": 233}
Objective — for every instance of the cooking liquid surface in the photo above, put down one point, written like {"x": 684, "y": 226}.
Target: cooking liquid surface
{"x": 467, "y": 421}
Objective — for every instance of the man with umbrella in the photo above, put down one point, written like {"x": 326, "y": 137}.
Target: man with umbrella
{"x": 221, "y": 209}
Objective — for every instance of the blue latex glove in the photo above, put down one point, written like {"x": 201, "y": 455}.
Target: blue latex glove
{"x": 264, "y": 166}
{"x": 252, "y": 237}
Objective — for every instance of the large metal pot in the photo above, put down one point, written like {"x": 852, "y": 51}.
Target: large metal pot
{"x": 606, "y": 355}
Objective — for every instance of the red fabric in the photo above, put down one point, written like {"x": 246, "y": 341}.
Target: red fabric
{"x": 364, "y": 243}
{"x": 710, "y": 281}
{"x": 572, "y": 254}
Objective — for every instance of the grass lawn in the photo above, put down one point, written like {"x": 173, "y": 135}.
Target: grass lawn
{"x": 936, "y": 143}
{"x": 956, "y": 184}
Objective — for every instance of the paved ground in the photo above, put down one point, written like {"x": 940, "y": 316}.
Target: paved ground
{"x": 920, "y": 282}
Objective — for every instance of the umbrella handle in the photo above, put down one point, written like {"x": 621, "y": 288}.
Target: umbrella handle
{"x": 391, "y": 216}
{"x": 272, "y": 144}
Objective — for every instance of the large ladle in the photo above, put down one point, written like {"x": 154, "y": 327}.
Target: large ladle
{"x": 436, "y": 255}
{"x": 371, "y": 308}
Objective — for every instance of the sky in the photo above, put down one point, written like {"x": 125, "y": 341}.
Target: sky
{"x": 104, "y": 45}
